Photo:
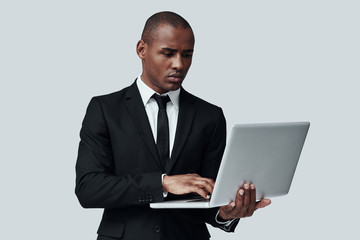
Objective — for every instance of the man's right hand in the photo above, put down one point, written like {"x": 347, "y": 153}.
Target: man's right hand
{"x": 188, "y": 183}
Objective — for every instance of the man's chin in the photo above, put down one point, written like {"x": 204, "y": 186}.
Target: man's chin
{"x": 174, "y": 86}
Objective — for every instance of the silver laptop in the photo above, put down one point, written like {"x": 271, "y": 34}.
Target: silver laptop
{"x": 265, "y": 154}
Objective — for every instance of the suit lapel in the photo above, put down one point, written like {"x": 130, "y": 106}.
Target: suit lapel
{"x": 184, "y": 124}
{"x": 137, "y": 111}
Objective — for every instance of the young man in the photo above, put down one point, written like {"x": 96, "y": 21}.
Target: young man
{"x": 154, "y": 140}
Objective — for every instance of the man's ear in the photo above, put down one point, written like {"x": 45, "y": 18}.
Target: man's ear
{"x": 141, "y": 48}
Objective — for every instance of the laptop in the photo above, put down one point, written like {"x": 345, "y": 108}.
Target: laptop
{"x": 265, "y": 154}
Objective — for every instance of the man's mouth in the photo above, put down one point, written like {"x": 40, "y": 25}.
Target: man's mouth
{"x": 176, "y": 77}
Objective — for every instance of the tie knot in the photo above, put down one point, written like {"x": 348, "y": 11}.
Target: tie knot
{"x": 161, "y": 100}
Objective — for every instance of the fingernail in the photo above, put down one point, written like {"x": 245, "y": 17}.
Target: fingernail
{"x": 246, "y": 186}
{"x": 232, "y": 204}
{"x": 241, "y": 192}
{"x": 252, "y": 186}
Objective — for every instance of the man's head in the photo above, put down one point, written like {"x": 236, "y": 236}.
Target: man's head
{"x": 165, "y": 48}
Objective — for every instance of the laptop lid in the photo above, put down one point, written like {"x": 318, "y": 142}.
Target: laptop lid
{"x": 263, "y": 154}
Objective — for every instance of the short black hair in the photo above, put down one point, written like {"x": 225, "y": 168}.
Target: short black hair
{"x": 161, "y": 18}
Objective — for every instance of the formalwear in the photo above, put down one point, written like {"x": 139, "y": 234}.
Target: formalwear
{"x": 119, "y": 168}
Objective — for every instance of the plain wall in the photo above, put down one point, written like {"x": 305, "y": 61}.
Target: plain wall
{"x": 261, "y": 61}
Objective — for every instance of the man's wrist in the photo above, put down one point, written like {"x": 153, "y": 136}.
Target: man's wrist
{"x": 221, "y": 221}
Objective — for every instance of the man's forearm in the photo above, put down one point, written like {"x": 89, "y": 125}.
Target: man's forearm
{"x": 100, "y": 190}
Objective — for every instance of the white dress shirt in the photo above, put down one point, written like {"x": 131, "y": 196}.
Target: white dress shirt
{"x": 152, "y": 108}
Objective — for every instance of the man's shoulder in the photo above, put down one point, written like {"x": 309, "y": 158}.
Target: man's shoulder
{"x": 117, "y": 96}
{"x": 199, "y": 102}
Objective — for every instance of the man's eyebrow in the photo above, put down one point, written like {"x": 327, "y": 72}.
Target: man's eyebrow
{"x": 174, "y": 50}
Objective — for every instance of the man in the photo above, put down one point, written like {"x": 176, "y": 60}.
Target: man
{"x": 139, "y": 147}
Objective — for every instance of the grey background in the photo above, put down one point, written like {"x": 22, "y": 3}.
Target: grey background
{"x": 262, "y": 61}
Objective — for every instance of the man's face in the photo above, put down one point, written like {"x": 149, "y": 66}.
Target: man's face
{"x": 166, "y": 58}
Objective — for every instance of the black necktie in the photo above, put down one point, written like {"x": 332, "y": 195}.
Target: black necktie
{"x": 162, "y": 139}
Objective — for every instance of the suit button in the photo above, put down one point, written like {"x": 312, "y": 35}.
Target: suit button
{"x": 157, "y": 229}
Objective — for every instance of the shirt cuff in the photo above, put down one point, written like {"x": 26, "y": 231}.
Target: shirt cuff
{"x": 226, "y": 223}
{"x": 165, "y": 193}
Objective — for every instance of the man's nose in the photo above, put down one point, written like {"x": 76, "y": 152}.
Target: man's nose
{"x": 178, "y": 62}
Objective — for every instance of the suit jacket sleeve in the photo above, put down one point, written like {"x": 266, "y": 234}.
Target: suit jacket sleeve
{"x": 96, "y": 184}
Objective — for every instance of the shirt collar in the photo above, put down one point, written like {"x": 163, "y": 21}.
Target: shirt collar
{"x": 146, "y": 92}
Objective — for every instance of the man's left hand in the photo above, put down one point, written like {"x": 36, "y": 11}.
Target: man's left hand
{"x": 244, "y": 205}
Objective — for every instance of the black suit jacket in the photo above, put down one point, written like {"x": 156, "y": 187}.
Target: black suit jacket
{"x": 118, "y": 166}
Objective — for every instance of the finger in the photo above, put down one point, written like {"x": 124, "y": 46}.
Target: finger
{"x": 199, "y": 190}
{"x": 246, "y": 187}
{"x": 246, "y": 200}
{"x": 204, "y": 185}
{"x": 252, "y": 200}
{"x": 197, "y": 177}
{"x": 239, "y": 203}
{"x": 228, "y": 208}
{"x": 225, "y": 212}
{"x": 210, "y": 181}
{"x": 263, "y": 203}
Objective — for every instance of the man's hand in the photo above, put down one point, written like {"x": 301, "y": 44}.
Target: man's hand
{"x": 188, "y": 183}
{"x": 244, "y": 205}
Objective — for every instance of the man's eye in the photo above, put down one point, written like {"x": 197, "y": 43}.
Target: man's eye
{"x": 187, "y": 55}
{"x": 167, "y": 54}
